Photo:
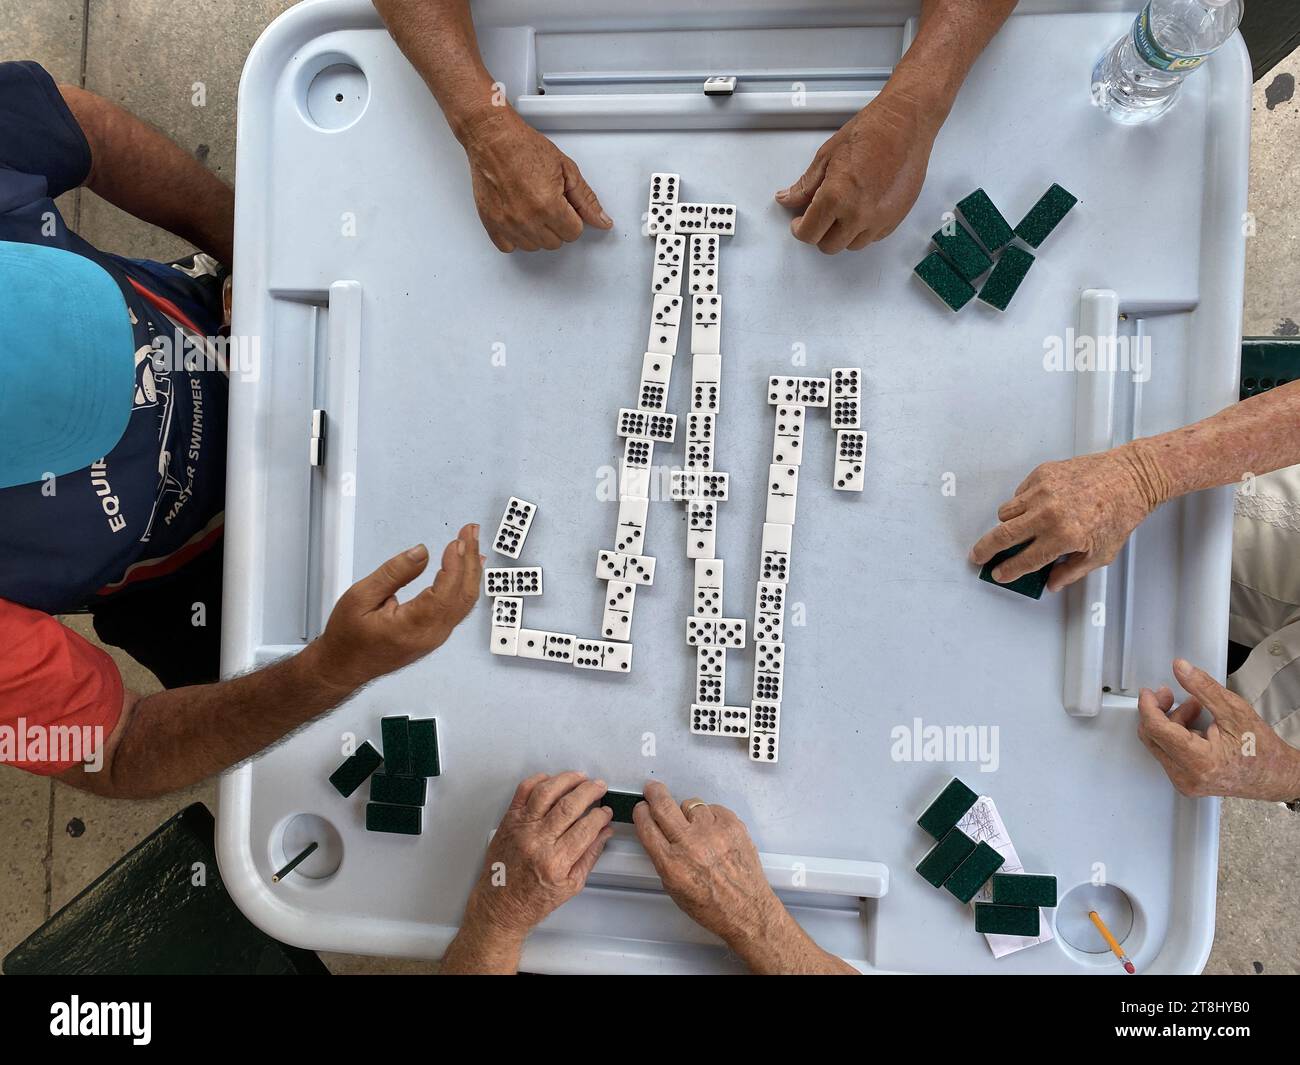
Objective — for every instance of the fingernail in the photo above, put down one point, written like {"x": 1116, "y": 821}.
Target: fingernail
{"x": 782, "y": 194}
{"x": 482, "y": 559}
{"x": 473, "y": 531}
{"x": 416, "y": 553}
{"x": 606, "y": 219}
{"x": 600, "y": 783}
{"x": 1181, "y": 665}
{"x": 460, "y": 547}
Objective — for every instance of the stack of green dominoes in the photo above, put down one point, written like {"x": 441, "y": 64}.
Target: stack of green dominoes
{"x": 397, "y": 795}
{"x": 962, "y": 866}
{"x": 966, "y": 252}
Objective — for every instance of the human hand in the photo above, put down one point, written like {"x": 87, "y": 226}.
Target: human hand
{"x": 707, "y": 862}
{"x": 864, "y": 180}
{"x": 1084, "y": 508}
{"x": 369, "y": 633}
{"x": 546, "y": 845}
{"x": 1238, "y": 755}
{"x": 529, "y": 194}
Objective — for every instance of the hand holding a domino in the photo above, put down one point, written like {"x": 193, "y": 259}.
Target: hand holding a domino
{"x": 539, "y": 858}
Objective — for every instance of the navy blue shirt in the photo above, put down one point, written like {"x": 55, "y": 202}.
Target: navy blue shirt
{"x": 156, "y": 499}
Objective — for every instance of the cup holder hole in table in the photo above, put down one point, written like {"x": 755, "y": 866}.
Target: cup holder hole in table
{"x": 297, "y": 834}
{"x": 1078, "y": 936}
{"x": 332, "y": 92}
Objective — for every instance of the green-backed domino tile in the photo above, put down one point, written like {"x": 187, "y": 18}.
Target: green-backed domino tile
{"x": 1006, "y": 920}
{"x": 944, "y": 281}
{"x": 985, "y": 219}
{"x": 974, "y": 872}
{"x": 1031, "y": 584}
{"x": 963, "y": 251}
{"x": 396, "y": 736}
{"x": 1001, "y": 285}
{"x": 1045, "y": 215}
{"x": 622, "y": 803}
{"x": 942, "y": 815}
{"x": 399, "y": 791}
{"x": 353, "y": 772}
{"x": 1024, "y": 889}
{"x": 402, "y": 820}
{"x": 945, "y": 857}
{"x": 424, "y": 747}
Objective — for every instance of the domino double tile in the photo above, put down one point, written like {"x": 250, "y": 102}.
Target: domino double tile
{"x": 846, "y": 397}
{"x": 775, "y": 564}
{"x": 706, "y": 384}
{"x": 788, "y": 435}
{"x": 603, "y": 655}
{"x": 782, "y": 493}
{"x": 513, "y": 580}
{"x": 616, "y": 619}
{"x": 850, "y": 460}
{"x": 513, "y": 530}
{"x": 706, "y": 324}
{"x": 769, "y": 611}
{"x": 661, "y": 428}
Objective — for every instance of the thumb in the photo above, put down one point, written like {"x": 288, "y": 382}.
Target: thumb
{"x": 583, "y": 199}
{"x": 1200, "y": 684}
{"x": 799, "y": 195}
{"x": 373, "y": 591}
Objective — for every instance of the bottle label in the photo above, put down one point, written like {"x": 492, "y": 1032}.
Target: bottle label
{"x": 1154, "y": 55}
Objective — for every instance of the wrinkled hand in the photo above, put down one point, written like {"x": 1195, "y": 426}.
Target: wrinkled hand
{"x": 529, "y": 194}
{"x": 708, "y": 864}
{"x": 864, "y": 180}
{"x": 541, "y": 855}
{"x": 370, "y": 633}
{"x": 1238, "y": 755}
{"x": 1083, "y": 508}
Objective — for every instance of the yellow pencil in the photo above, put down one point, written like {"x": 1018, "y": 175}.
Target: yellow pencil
{"x": 1111, "y": 941}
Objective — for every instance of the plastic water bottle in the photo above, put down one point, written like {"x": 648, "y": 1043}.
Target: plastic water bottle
{"x": 1137, "y": 78}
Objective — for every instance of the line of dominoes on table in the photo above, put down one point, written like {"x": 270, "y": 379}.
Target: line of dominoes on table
{"x": 790, "y": 398}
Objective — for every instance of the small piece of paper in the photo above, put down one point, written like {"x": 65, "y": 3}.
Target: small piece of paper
{"x": 983, "y": 823}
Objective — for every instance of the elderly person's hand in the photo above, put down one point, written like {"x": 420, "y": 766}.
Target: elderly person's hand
{"x": 864, "y": 180}
{"x": 548, "y": 841}
{"x": 711, "y": 869}
{"x": 1237, "y": 755}
{"x": 1082, "y": 508}
{"x": 529, "y": 194}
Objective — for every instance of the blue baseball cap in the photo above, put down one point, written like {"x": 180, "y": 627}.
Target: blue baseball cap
{"x": 67, "y": 372}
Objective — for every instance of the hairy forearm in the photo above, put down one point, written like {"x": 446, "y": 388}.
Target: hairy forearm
{"x": 438, "y": 37}
{"x": 774, "y": 944}
{"x": 480, "y": 949}
{"x": 1256, "y": 436}
{"x": 951, "y": 36}
{"x": 179, "y": 737}
{"x": 136, "y": 168}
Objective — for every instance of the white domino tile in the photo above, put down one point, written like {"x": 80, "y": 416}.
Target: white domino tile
{"x": 782, "y": 493}
{"x": 788, "y": 434}
{"x": 850, "y": 460}
{"x": 775, "y": 552}
{"x": 706, "y": 324}
{"x": 706, "y": 384}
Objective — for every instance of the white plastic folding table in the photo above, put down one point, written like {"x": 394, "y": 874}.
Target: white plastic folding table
{"x": 451, "y": 376}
